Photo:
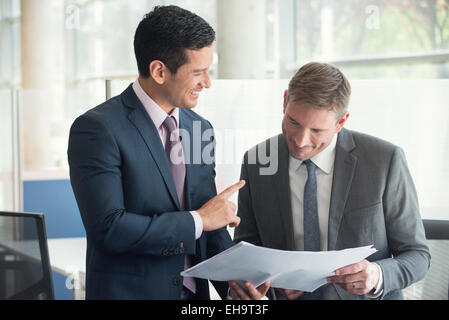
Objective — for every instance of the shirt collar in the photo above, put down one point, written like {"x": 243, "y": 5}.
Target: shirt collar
{"x": 156, "y": 113}
{"x": 323, "y": 160}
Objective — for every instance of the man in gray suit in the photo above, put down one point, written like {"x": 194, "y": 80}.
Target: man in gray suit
{"x": 333, "y": 189}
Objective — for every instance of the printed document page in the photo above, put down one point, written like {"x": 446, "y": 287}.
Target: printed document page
{"x": 299, "y": 270}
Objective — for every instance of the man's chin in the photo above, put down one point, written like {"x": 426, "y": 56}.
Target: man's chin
{"x": 299, "y": 155}
{"x": 190, "y": 105}
{"x": 296, "y": 155}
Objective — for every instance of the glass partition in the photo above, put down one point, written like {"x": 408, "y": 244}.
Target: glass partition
{"x": 6, "y": 144}
{"x": 412, "y": 114}
{"x": 409, "y": 113}
{"x": 47, "y": 116}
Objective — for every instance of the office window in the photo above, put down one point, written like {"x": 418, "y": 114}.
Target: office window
{"x": 9, "y": 77}
{"x": 9, "y": 43}
{"x": 97, "y": 49}
{"x": 101, "y": 49}
{"x": 368, "y": 38}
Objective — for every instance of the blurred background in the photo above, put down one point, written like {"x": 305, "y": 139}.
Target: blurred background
{"x": 59, "y": 58}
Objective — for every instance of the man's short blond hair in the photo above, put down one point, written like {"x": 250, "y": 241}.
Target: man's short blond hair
{"x": 320, "y": 85}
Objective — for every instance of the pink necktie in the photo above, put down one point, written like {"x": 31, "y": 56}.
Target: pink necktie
{"x": 175, "y": 155}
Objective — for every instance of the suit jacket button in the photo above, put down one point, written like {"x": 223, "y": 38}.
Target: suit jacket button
{"x": 165, "y": 252}
{"x": 177, "y": 281}
{"x": 177, "y": 251}
{"x": 181, "y": 250}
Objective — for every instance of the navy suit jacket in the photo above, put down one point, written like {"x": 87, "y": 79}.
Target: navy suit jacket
{"x": 137, "y": 235}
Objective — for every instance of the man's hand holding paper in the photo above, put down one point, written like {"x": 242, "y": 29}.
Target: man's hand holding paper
{"x": 249, "y": 292}
{"x": 358, "y": 278}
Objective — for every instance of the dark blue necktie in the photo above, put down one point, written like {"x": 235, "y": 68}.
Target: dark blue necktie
{"x": 311, "y": 225}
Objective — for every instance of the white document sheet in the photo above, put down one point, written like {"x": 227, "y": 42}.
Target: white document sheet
{"x": 299, "y": 270}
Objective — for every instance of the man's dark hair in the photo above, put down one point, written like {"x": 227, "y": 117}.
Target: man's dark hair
{"x": 165, "y": 33}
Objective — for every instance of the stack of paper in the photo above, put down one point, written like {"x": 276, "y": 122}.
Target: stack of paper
{"x": 299, "y": 270}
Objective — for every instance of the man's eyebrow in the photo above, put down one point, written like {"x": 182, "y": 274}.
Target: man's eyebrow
{"x": 199, "y": 70}
{"x": 315, "y": 129}
{"x": 292, "y": 119}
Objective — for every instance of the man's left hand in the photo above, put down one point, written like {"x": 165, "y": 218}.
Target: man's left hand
{"x": 250, "y": 292}
{"x": 358, "y": 278}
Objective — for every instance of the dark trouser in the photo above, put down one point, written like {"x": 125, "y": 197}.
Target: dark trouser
{"x": 186, "y": 294}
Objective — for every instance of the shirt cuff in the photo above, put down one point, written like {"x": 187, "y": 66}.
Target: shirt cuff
{"x": 228, "y": 296}
{"x": 377, "y": 290}
{"x": 198, "y": 224}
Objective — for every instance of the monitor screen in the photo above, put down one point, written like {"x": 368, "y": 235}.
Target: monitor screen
{"x": 24, "y": 262}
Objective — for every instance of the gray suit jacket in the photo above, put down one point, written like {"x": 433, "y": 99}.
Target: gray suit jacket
{"x": 373, "y": 201}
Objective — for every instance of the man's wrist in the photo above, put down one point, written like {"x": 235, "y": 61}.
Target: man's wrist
{"x": 378, "y": 289}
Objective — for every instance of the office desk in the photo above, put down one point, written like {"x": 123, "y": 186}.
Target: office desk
{"x": 68, "y": 257}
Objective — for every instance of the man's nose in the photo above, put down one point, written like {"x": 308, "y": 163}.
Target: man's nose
{"x": 206, "y": 83}
{"x": 302, "y": 138}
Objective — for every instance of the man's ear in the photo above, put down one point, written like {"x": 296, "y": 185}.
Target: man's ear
{"x": 285, "y": 101}
{"x": 158, "y": 71}
{"x": 342, "y": 122}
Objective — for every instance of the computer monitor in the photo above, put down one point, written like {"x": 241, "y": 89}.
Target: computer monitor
{"x": 25, "y": 272}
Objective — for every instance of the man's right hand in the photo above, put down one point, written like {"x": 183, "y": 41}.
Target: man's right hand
{"x": 250, "y": 292}
{"x": 219, "y": 211}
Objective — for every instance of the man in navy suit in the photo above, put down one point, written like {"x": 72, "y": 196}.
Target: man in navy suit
{"x": 147, "y": 198}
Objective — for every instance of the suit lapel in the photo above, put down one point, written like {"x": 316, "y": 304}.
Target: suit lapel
{"x": 143, "y": 123}
{"x": 187, "y": 143}
{"x": 282, "y": 187}
{"x": 344, "y": 168}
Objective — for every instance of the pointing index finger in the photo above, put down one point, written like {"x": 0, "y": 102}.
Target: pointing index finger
{"x": 229, "y": 191}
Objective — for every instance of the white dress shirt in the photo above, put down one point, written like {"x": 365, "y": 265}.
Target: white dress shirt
{"x": 298, "y": 177}
{"x": 324, "y": 175}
